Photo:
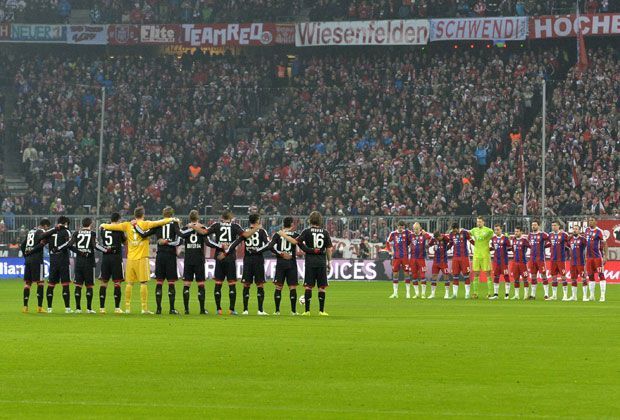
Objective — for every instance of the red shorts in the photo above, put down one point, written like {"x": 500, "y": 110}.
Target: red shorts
{"x": 439, "y": 267}
{"x": 397, "y": 263}
{"x": 460, "y": 265}
{"x": 594, "y": 265}
{"x": 537, "y": 267}
{"x": 518, "y": 270}
{"x": 500, "y": 269}
{"x": 418, "y": 268}
{"x": 576, "y": 271}
{"x": 558, "y": 268}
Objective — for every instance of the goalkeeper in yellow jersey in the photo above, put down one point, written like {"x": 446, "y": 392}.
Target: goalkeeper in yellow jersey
{"x": 482, "y": 254}
{"x": 137, "y": 268}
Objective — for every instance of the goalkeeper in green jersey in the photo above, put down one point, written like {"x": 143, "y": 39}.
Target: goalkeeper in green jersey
{"x": 482, "y": 254}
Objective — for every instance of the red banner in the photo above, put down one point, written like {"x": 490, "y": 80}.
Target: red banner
{"x": 232, "y": 34}
{"x": 542, "y": 27}
{"x": 124, "y": 34}
{"x": 161, "y": 34}
{"x": 611, "y": 231}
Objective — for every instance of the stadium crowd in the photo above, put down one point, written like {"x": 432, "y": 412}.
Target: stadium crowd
{"x": 438, "y": 133}
{"x": 204, "y": 11}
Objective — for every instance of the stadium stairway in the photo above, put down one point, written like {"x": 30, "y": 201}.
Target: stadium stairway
{"x": 13, "y": 171}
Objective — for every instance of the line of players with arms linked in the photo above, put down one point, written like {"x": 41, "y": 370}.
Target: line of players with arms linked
{"x": 224, "y": 236}
{"x": 584, "y": 252}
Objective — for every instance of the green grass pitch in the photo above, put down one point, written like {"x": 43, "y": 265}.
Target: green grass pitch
{"x": 372, "y": 358}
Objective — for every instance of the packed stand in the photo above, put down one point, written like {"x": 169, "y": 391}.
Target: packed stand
{"x": 163, "y": 116}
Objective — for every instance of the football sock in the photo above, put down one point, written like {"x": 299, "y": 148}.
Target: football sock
{"x": 395, "y": 287}
{"x": 246, "y": 298}
{"x": 144, "y": 296}
{"x": 40, "y": 292}
{"x": 592, "y": 285}
{"x": 603, "y": 286}
{"x": 495, "y": 288}
{"x": 26, "y": 294}
{"x": 102, "y": 292}
{"x": 574, "y": 290}
{"x": 585, "y": 290}
{"x": 117, "y": 295}
{"x": 322, "y": 301}
{"x": 66, "y": 295}
{"x": 534, "y": 286}
{"x": 50, "y": 295}
{"x": 407, "y": 288}
{"x": 128, "y": 290}
{"x": 172, "y": 294}
{"x": 455, "y": 288}
{"x": 277, "y": 297}
{"x": 564, "y": 291}
{"x": 416, "y": 290}
{"x": 293, "y": 300}
{"x": 260, "y": 295}
{"x": 308, "y": 296}
{"x": 217, "y": 293}
{"x": 476, "y": 282}
{"x": 507, "y": 287}
{"x": 78, "y": 296}
{"x": 433, "y": 287}
{"x": 201, "y": 297}
{"x": 546, "y": 289}
{"x": 89, "y": 298}
{"x": 232, "y": 295}
{"x": 423, "y": 287}
{"x": 186, "y": 298}
{"x": 158, "y": 292}
{"x": 467, "y": 289}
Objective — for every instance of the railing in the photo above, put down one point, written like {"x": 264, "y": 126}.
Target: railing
{"x": 375, "y": 228}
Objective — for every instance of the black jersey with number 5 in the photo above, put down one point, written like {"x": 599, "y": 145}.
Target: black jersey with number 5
{"x": 113, "y": 239}
{"x": 315, "y": 241}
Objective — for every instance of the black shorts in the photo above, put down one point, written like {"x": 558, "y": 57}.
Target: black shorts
{"x": 225, "y": 270}
{"x": 112, "y": 267}
{"x": 194, "y": 270}
{"x": 315, "y": 276}
{"x": 253, "y": 270}
{"x": 286, "y": 274}
{"x": 84, "y": 275}
{"x": 59, "y": 272}
{"x": 32, "y": 272}
{"x": 166, "y": 267}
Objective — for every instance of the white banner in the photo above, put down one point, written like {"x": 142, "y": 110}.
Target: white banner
{"x": 87, "y": 34}
{"x": 369, "y": 32}
{"x": 500, "y": 28}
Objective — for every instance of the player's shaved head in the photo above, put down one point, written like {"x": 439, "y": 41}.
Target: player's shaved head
{"x": 138, "y": 213}
{"x": 115, "y": 217}
{"x": 168, "y": 211}
{"x": 288, "y": 222}
{"x": 193, "y": 216}
{"x": 315, "y": 218}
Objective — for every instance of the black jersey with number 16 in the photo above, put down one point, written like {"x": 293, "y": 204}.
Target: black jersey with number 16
{"x": 315, "y": 242}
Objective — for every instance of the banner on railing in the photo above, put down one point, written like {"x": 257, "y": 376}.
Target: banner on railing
{"x": 5, "y": 31}
{"x": 542, "y": 27}
{"x": 38, "y": 33}
{"x": 491, "y": 28}
{"x": 87, "y": 34}
{"x": 123, "y": 34}
{"x": 161, "y": 34}
{"x": 232, "y": 34}
{"x": 368, "y": 32}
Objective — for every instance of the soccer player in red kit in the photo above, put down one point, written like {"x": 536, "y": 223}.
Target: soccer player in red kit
{"x": 419, "y": 241}
{"x": 538, "y": 242}
{"x": 398, "y": 247}
{"x": 559, "y": 254}
{"x": 460, "y": 259}
{"x": 578, "y": 245}
{"x": 441, "y": 244}
{"x": 520, "y": 245}
{"x": 596, "y": 256}
{"x": 500, "y": 245}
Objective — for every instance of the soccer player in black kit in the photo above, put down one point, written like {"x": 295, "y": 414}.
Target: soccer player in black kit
{"x": 84, "y": 243}
{"x": 286, "y": 265}
{"x": 32, "y": 249}
{"x": 168, "y": 238}
{"x": 225, "y": 233}
{"x": 112, "y": 264}
{"x": 317, "y": 244}
{"x": 59, "y": 264}
{"x": 253, "y": 263}
{"x": 194, "y": 264}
